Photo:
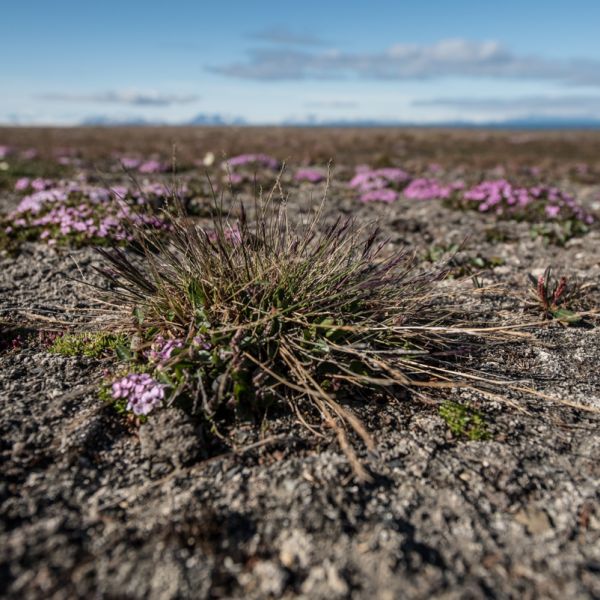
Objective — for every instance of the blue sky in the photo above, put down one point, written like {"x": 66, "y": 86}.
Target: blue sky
{"x": 269, "y": 62}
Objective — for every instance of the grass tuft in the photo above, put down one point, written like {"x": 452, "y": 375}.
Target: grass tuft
{"x": 257, "y": 312}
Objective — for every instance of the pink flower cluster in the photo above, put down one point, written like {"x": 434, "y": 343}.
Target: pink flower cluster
{"x": 162, "y": 349}
{"x": 77, "y": 220}
{"x": 236, "y": 178}
{"x": 34, "y": 203}
{"x": 502, "y": 197}
{"x": 430, "y": 189}
{"x": 231, "y": 233}
{"x": 201, "y": 341}
{"x": 143, "y": 394}
{"x": 29, "y": 154}
{"x": 38, "y": 184}
{"x": 72, "y": 209}
{"x": 129, "y": 162}
{"x": 4, "y": 151}
{"x": 374, "y": 179}
{"x": 380, "y": 195}
{"x": 310, "y": 175}
{"x": 152, "y": 165}
{"x": 379, "y": 184}
{"x": 66, "y": 156}
{"x": 258, "y": 160}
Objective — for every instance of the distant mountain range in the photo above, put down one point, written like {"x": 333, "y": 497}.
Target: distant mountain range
{"x": 200, "y": 119}
{"x": 530, "y": 122}
{"x": 516, "y": 123}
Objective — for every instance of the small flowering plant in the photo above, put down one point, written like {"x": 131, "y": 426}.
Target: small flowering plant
{"x": 139, "y": 393}
{"x": 162, "y": 349}
{"x": 152, "y": 166}
{"x": 379, "y": 185}
{"x": 555, "y": 297}
{"x": 555, "y": 214}
{"x": 430, "y": 189}
{"x": 141, "y": 165}
{"x": 36, "y": 184}
{"x": 74, "y": 213}
{"x": 529, "y": 203}
{"x": 246, "y": 168}
{"x": 309, "y": 175}
{"x": 153, "y": 374}
{"x": 253, "y": 161}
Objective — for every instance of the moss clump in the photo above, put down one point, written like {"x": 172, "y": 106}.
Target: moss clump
{"x": 92, "y": 345}
{"x": 464, "y": 421}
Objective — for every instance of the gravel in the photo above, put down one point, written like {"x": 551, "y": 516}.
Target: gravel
{"x": 94, "y": 506}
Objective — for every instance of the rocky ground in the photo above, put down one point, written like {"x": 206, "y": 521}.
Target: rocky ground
{"x": 94, "y": 506}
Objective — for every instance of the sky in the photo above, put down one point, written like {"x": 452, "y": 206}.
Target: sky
{"x": 269, "y": 62}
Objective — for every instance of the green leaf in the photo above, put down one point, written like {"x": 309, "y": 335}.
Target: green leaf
{"x": 123, "y": 352}
{"x": 477, "y": 261}
{"x": 203, "y": 356}
{"x": 138, "y": 313}
{"x": 566, "y": 316}
{"x": 327, "y": 322}
{"x": 321, "y": 347}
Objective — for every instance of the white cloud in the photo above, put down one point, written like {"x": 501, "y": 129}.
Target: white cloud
{"x": 128, "y": 98}
{"x": 564, "y": 105}
{"x": 449, "y": 57}
{"x": 282, "y": 35}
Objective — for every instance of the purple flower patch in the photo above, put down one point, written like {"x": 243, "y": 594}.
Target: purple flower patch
{"x": 142, "y": 393}
{"x": 77, "y": 212}
{"x": 429, "y": 189}
{"x": 162, "y": 349}
{"x": 379, "y": 195}
{"x": 152, "y": 166}
{"x": 539, "y": 201}
{"x": 258, "y": 160}
{"x": 310, "y": 175}
{"x": 379, "y": 185}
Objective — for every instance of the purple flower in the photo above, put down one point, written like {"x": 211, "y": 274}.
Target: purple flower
{"x": 142, "y": 392}
{"x": 235, "y": 178}
{"x": 21, "y": 184}
{"x": 381, "y": 195}
{"x": 151, "y": 166}
{"x": 201, "y": 341}
{"x": 29, "y": 154}
{"x": 231, "y": 234}
{"x": 120, "y": 191}
{"x": 130, "y": 163}
{"x": 539, "y": 200}
{"x": 81, "y": 210}
{"x": 162, "y": 349}
{"x": 310, "y": 175}
{"x": 260, "y": 160}
{"x": 427, "y": 189}
{"x": 366, "y": 179}
{"x": 39, "y": 184}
